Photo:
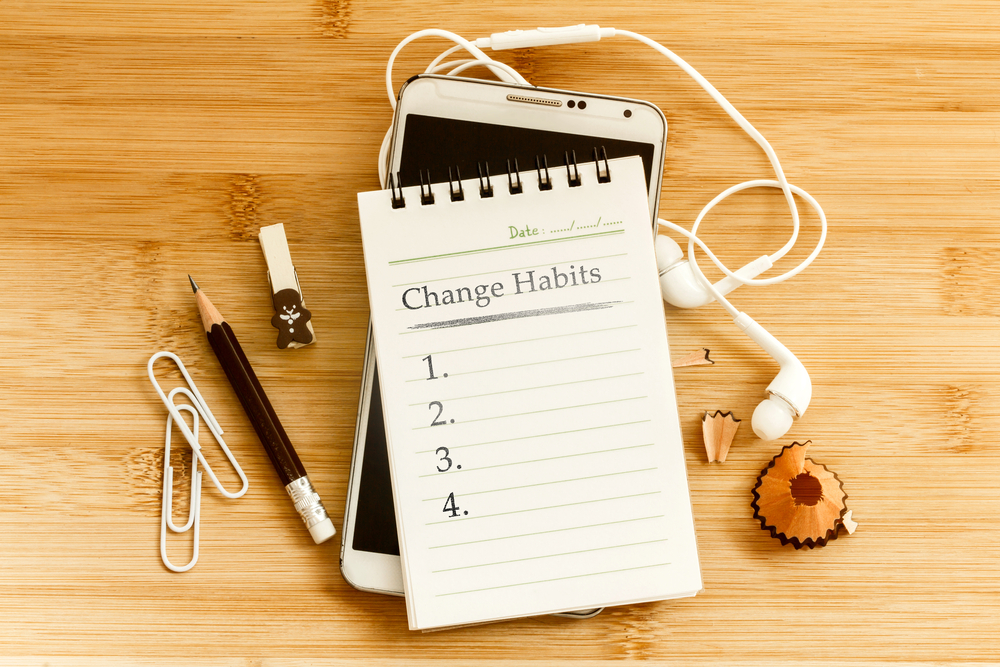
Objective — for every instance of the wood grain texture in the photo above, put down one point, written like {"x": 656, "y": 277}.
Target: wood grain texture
{"x": 141, "y": 141}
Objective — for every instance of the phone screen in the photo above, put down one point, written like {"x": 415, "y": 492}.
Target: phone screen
{"x": 440, "y": 144}
{"x": 435, "y": 144}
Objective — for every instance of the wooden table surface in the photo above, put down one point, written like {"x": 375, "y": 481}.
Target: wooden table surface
{"x": 141, "y": 141}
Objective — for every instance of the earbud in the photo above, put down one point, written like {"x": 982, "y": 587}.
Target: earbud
{"x": 679, "y": 285}
{"x": 788, "y": 394}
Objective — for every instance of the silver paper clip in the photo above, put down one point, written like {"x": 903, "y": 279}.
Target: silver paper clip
{"x": 194, "y": 510}
{"x": 196, "y": 408}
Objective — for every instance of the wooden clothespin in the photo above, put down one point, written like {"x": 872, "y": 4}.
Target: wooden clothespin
{"x": 291, "y": 318}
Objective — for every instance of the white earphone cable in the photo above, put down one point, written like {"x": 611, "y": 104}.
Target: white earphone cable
{"x": 740, "y": 120}
{"x": 591, "y": 33}
{"x": 694, "y": 240}
{"x": 781, "y": 183}
{"x": 503, "y": 71}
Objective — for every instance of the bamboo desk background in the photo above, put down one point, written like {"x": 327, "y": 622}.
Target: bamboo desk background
{"x": 142, "y": 141}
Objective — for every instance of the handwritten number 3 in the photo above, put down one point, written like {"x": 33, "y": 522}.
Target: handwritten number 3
{"x": 444, "y": 457}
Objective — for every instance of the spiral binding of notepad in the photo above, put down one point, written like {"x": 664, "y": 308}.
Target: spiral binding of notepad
{"x": 514, "y": 184}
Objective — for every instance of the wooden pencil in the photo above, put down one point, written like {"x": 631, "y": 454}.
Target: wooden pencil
{"x": 263, "y": 418}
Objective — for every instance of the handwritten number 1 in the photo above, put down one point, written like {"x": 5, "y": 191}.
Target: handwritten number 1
{"x": 430, "y": 369}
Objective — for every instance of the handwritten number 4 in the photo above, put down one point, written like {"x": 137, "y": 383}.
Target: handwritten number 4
{"x": 451, "y": 506}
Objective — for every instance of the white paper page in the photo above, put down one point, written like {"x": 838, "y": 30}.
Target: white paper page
{"x": 534, "y": 444}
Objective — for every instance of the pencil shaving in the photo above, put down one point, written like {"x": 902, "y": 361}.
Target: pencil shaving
{"x": 696, "y": 358}
{"x": 849, "y": 523}
{"x": 799, "y": 501}
{"x": 718, "y": 429}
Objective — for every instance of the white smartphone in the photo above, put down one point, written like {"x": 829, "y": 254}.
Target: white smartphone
{"x": 468, "y": 126}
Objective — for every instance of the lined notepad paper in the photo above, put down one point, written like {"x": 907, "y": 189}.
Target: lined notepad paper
{"x": 534, "y": 445}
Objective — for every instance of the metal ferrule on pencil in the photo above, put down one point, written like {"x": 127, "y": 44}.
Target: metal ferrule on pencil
{"x": 307, "y": 501}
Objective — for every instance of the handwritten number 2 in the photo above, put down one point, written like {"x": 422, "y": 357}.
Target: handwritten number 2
{"x": 435, "y": 421}
{"x": 444, "y": 458}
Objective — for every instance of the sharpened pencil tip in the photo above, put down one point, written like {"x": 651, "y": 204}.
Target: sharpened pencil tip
{"x": 194, "y": 285}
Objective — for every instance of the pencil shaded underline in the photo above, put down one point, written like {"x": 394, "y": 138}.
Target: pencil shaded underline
{"x": 514, "y": 315}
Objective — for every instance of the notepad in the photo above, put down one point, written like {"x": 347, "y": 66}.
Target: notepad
{"x": 534, "y": 446}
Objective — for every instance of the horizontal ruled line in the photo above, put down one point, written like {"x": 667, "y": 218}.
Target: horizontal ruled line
{"x": 478, "y": 251}
{"x": 543, "y": 581}
{"x": 543, "y": 386}
{"x": 540, "y": 509}
{"x": 551, "y": 458}
{"x": 515, "y": 268}
{"x": 537, "y": 412}
{"x": 558, "y": 481}
{"x": 514, "y": 342}
{"x": 546, "y": 361}
{"x": 565, "y": 553}
{"x": 537, "y": 435}
{"x": 547, "y": 532}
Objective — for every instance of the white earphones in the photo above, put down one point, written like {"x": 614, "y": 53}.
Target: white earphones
{"x": 682, "y": 281}
{"x": 683, "y": 284}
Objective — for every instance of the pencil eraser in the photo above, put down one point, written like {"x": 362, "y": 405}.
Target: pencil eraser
{"x": 322, "y": 531}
